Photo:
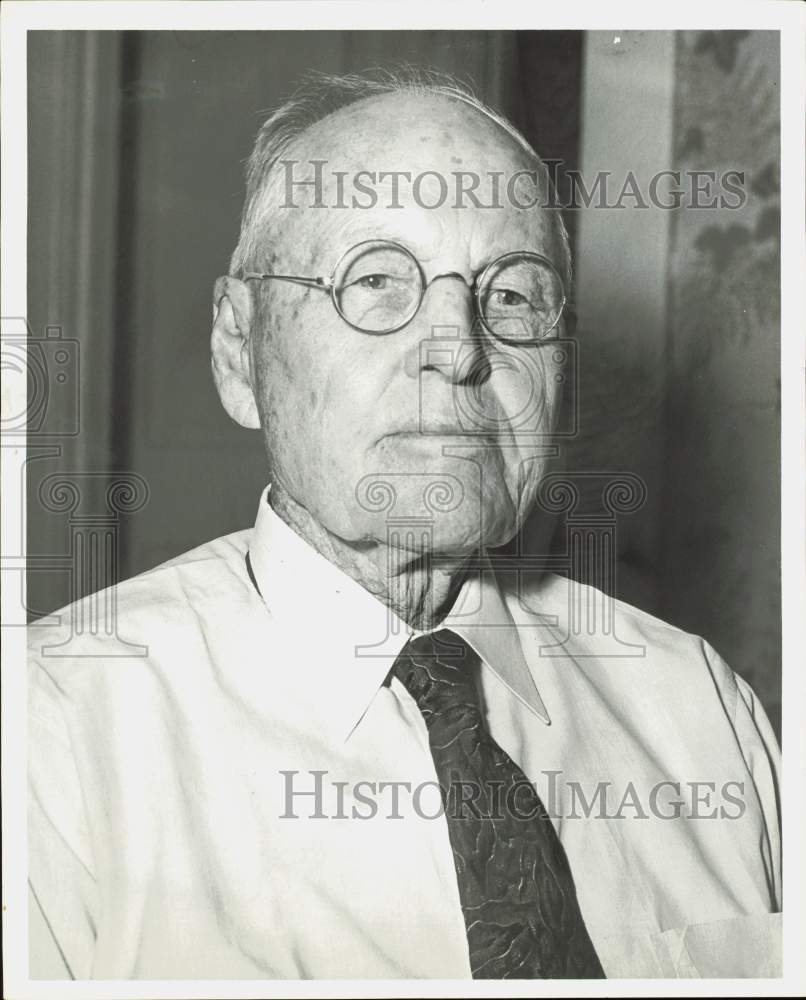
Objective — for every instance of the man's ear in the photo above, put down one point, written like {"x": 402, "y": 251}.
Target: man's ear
{"x": 230, "y": 348}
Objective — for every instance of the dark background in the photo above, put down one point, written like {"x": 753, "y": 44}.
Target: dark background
{"x": 136, "y": 147}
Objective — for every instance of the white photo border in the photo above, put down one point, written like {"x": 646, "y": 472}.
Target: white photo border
{"x": 788, "y": 18}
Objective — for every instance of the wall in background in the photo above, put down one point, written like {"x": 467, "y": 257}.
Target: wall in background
{"x": 136, "y": 145}
{"x": 679, "y": 333}
{"x": 721, "y": 496}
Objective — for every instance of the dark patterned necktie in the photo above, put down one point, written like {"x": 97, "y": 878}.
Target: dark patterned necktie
{"x": 515, "y": 885}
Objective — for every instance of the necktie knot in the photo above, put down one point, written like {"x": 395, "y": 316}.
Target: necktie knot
{"x": 438, "y": 672}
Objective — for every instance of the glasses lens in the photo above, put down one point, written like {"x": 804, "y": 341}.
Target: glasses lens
{"x": 378, "y": 287}
{"x": 521, "y": 297}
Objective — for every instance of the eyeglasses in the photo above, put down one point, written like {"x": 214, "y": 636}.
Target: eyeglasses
{"x": 378, "y": 286}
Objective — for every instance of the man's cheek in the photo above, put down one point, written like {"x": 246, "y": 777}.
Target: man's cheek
{"x": 341, "y": 445}
{"x": 523, "y": 391}
{"x": 348, "y": 402}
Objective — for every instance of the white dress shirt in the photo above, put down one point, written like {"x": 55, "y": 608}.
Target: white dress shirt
{"x": 170, "y": 836}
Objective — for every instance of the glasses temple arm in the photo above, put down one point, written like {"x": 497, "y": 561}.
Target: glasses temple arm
{"x": 296, "y": 279}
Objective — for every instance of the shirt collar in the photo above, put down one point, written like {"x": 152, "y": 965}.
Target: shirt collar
{"x": 342, "y": 623}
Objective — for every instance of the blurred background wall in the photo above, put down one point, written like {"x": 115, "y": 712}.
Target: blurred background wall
{"x": 136, "y": 147}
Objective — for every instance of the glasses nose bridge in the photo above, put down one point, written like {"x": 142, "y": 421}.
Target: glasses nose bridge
{"x": 470, "y": 285}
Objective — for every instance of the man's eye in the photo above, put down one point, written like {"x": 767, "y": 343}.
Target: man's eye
{"x": 506, "y": 297}
{"x": 377, "y": 282}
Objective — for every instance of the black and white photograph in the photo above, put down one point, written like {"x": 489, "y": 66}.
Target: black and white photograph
{"x": 402, "y": 500}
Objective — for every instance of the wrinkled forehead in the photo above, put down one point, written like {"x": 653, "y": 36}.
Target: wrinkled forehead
{"x": 414, "y": 164}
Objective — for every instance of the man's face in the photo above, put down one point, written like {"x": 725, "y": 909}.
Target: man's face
{"x": 439, "y": 420}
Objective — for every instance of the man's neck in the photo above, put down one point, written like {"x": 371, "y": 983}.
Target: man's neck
{"x": 419, "y": 592}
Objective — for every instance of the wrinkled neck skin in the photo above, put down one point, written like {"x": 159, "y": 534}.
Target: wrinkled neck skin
{"x": 418, "y": 592}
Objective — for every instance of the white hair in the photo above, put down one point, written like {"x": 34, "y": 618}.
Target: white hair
{"x": 320, "y": 95}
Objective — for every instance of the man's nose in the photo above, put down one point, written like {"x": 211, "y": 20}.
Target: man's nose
{"x": 451, "y": 337}
{"x": 449, "y": 301}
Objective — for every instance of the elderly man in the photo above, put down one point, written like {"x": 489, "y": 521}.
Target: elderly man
{"x": 350, "y": 748}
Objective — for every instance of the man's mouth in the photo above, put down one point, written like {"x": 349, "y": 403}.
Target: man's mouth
{"x": 442, "y": 431}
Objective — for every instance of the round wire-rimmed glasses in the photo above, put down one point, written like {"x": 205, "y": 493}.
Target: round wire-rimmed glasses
{"x": 377, "y": 287}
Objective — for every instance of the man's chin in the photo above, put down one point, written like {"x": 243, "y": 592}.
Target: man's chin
{"x": 453, "y": 534}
